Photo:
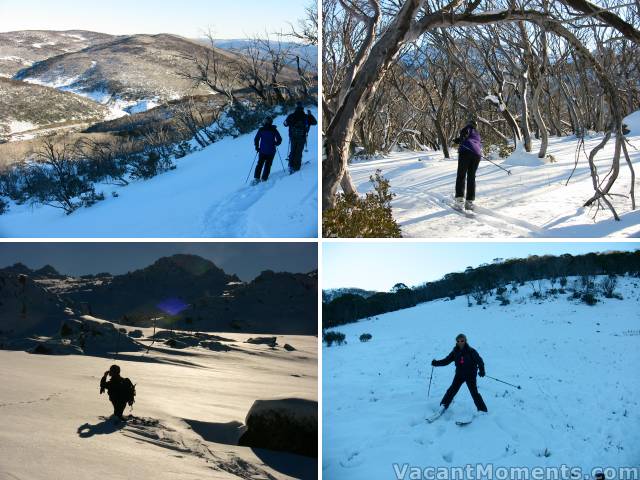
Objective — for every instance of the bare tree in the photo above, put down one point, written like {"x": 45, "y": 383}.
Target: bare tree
{"x": 211, "y": 69}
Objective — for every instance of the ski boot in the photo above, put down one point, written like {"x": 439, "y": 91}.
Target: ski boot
{"x": 255, "y": 182}
{"x": 468, "y": 205}
{"x": 458, "y": 203}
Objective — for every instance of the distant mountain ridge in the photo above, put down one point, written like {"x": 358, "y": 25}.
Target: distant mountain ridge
{"x": 200, "y": 296}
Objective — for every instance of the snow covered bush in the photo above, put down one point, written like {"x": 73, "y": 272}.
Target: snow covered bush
{"x": 608, "y": 286}
{"x": 365, "y": 337}
{"x": 148, "y": 164}
{"x": 368, "y": 217}
{"x": 331, "y": 337}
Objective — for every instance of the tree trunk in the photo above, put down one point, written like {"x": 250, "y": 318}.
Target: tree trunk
{"x": 544, "y": 135}
{"x": 526, "y": 134}
{"x": 363, "y": 86}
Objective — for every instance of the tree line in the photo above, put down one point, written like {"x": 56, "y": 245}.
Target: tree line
{"x": 479, "y": 282}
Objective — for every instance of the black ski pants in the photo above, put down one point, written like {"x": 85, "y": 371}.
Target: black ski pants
{"x": 295, "y": 156}
{"x": 264, "y": 165}
{"x": 458, "y": 380}
{"x": 118, "y": 407}
{"x": 467, "y": 166}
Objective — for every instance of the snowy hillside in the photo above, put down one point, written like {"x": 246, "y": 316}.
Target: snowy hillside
{"x": 189, "y": 412}
{"x": 533, "y": 202}
{"x": 130, "y": 74}
{"x": 577, "y": 366}
{"x": 21, "y": 49}
{"x": 26, "y": 107}
{"x": 205, "y": 196}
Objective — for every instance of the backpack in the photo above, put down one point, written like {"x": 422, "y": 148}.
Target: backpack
{"x": 130, "y": 389}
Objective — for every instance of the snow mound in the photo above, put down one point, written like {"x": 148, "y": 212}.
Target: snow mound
{"x": 520, "y": 157}
{"x": 633, "y": 122}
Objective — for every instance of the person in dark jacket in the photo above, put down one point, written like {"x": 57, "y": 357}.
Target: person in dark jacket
{"x": 468, "y": 362}
{"x": 469, "y": 155}
{"x": 121, "y": 391}
{"x": 311, "y": 121}
{"x": 266, "y": 142}
{"x": 298, "y": 123}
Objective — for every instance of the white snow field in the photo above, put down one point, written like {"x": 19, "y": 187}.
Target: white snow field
{"x": 577, "y": 366}
{"x": 533, "y": 202}
{"x": 190, "y": 409}
{"x": 205, "y": 196}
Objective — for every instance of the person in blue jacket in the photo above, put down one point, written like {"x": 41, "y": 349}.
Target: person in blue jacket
{"x": 266, "y": 141}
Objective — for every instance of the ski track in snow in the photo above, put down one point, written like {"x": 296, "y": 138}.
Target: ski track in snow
{"x": 152, "y": 431}
{"x": 532, "y": 202}
{"x": 578, "y": 404}
{"x": 233, "y": 215}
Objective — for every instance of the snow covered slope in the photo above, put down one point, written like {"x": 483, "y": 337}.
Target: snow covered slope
{"x": 190, "y": 406}
{"x": 205, "y": 196}
{"x": 533, "y": 202}
{"x": 576, "y": 364}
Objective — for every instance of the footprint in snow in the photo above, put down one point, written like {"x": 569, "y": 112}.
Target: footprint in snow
{"x": 353, "y": 460}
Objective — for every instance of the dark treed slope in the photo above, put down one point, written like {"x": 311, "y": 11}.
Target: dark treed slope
{"x": 349, "y": 308}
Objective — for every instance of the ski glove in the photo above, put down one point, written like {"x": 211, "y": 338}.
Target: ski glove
{"x": 482, "y": 373}
{"x": 433, "y": 362}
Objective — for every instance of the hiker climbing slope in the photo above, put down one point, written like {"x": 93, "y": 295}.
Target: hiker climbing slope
{"x": 121, "y": 391}
{"x": 298, "y": 123}
{"x": 266, "y": 141}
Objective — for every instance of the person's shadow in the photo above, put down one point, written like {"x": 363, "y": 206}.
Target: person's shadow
{"x": 108, "y": 425}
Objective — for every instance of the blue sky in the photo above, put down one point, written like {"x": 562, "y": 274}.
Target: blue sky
{"x": 379, "y": 266}
{"x": 228, "y": 19}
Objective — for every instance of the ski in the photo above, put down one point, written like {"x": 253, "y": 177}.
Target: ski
{"x": 435, "y": 416}
{"x": 462, "y": 423}
{"x": 460, "y": 210}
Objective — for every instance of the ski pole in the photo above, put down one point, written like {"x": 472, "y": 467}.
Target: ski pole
{"x": 430, "y": 377}
{"x": 499, "y": 166}
{"x": 251, "y": 169}
{"x": 280, "y": 157}
{"x": 502, "y": 381}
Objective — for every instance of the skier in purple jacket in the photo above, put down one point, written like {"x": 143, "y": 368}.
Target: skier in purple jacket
{"x": 469, "y": 155}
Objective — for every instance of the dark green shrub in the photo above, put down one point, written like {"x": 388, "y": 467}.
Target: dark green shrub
{"x": 365, "y": 337}
{"x": 368, "y": 217}
{"x": 589, "y": 299}
{"x": 331, "y": 337}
